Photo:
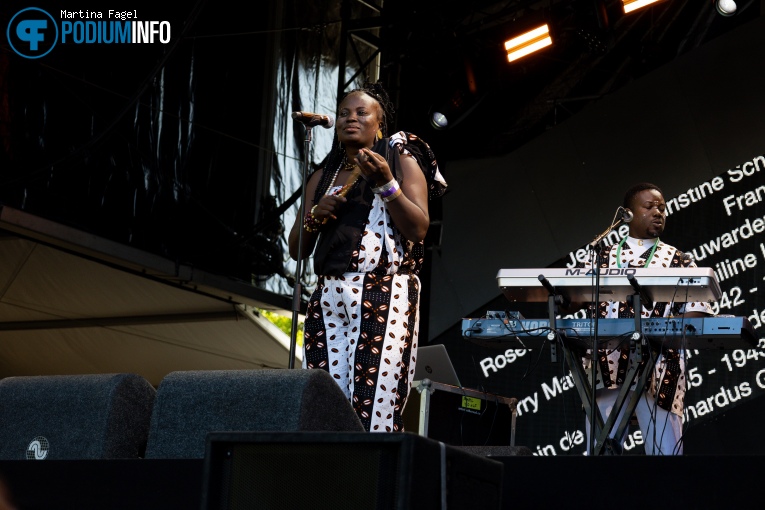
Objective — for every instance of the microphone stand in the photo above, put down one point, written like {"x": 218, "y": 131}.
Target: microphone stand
{"x": 594, "y": 409}
{"x": 298, "y": 287}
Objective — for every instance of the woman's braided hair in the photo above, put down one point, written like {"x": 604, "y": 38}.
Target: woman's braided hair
{"x": 379, "y": 94}
{"x": 337, "y": 152}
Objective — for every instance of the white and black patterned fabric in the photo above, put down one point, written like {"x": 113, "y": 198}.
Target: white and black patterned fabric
{"x": 362, "y": 325}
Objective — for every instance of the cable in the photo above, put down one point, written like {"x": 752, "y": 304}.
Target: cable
{"x": 682, "y": 369}
{"x": 684, "y": 359}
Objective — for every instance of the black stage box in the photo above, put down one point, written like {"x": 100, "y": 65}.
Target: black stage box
{"x": 102, "y": 484}
{"x": 460, "y": 416}
{"x": 345, "y": 470}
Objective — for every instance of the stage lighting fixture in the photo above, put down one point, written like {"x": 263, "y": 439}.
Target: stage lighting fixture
{"x": 455, "y": 109}
{"x": 725, "y": 7}
{"x": 459, "y": 105}
{"x": 439, "y": 120}
{"x": 633, "y": 5}
{"x": 461, "y": 101}
{"x": 528, "y": 42}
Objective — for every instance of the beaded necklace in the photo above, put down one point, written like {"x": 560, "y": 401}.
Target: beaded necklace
{"x": 344, "y": 165}
{"x": 332, "y": 181}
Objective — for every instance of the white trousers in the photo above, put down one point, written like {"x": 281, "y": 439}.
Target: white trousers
{"x": 661, "y": 430}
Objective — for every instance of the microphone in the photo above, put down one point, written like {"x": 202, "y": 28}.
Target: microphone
{"x": 314, "y": 119}
{"x": 623, "y": 215}
{"x": 626, "y": 215}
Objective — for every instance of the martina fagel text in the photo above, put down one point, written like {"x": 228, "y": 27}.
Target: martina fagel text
{"x": 110, "y": 14}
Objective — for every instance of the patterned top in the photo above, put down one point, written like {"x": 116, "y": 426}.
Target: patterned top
{"x": 340, "y": 241}
{"x": 668, "y": 382}
{"x": 362, "y": 321}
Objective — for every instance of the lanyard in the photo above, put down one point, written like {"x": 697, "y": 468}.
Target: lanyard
{"x": 619, "y": 252}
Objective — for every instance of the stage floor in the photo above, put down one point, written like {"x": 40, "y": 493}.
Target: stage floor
{"x": 692, "y": 482}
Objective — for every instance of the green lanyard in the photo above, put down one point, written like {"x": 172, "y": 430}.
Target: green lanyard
{"x": 619, "y": 253}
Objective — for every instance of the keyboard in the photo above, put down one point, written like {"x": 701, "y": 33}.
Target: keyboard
{"x": 673, "y": 284}
{"x": 677, "y": 332}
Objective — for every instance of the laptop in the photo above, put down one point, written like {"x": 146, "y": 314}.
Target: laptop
{"x": 433, "y": 363}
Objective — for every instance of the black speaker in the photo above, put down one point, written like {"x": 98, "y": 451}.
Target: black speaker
{"x": 700, "y": 482}
{"x": 191, "y": 404}
{"x": 345, "y": 470}
{"x": 101, "y": 416}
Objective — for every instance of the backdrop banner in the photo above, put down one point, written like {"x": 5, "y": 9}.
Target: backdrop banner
{"x": 720, "y": 222}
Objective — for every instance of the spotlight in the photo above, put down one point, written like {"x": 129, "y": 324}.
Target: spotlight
{"x": 528, "y": 42}
{"x": 439, "y": 121}
{"x": 725, "y": 7}
{"x": 459, "y": 105}
{"x": 462, "y": 100}
{"x": 633, "y": 5}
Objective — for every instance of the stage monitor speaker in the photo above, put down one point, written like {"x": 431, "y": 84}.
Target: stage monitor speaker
{"x": 191, "y": 404}
{"x": 345, "y": 470}
{"x": 68, "y": 417}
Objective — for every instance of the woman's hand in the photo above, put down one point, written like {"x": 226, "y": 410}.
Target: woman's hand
{"x": 373, "y": 167}
{"x": 409, "y": 206}
{"x": 326, "y": 208}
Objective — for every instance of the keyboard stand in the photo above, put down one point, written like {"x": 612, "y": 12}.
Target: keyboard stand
{"x": 554, "y": 298}
{"x": 604, "y": 444}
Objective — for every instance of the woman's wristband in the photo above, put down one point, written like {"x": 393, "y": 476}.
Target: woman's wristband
{"x": 395, "y": 193}
{"x": 389, "y": 192}
{"x": 385, "y": 187}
